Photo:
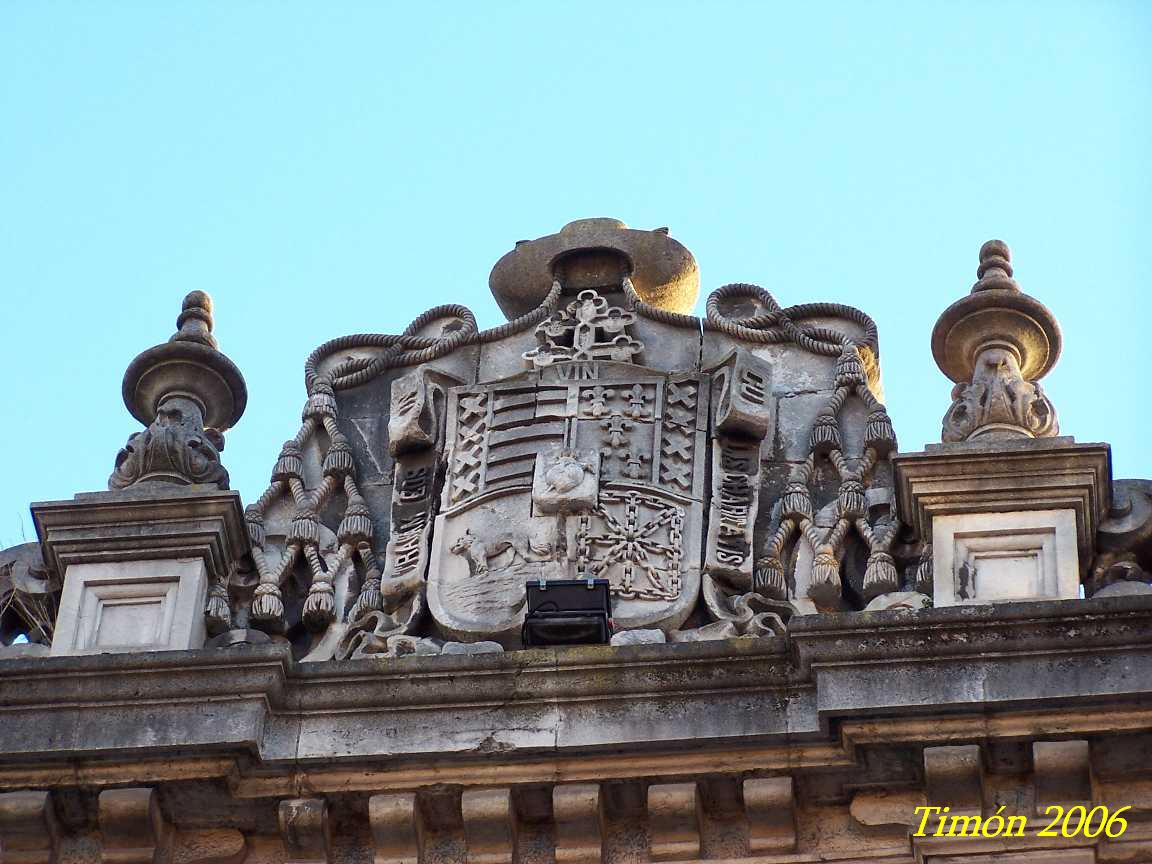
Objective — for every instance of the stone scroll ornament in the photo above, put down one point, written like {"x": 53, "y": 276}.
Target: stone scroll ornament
{"x": 581, "y": 439}
{"x": 743, "y": 421}
{"x": 187, "y": 394}
{"x": 391, "y": 602}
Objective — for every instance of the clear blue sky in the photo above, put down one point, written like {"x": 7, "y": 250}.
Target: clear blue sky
{"x": 336, "y": 167}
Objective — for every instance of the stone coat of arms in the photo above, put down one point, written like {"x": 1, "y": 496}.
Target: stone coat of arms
{"x": 719, "y": 473}
{"x": 586, "y": 466}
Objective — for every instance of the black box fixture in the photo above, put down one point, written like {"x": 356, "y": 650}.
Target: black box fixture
{"x": 567, "y": 612}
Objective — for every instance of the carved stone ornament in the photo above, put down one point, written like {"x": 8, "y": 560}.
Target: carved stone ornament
{"x": 29, "y": 597}
{"x": 579, "y": 471}
{"x": 998, "y": 402}
{"x": 188, "y": 394}
{"x": 720, "y": 475}
{"x": 175, "y": 448}
{"x": 588, "y": 328}
{"x": 995, "y": 343}
{"x": 566, "y": 481}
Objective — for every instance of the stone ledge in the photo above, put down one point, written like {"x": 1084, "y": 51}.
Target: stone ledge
{"x": 255, "y": 702}
{"x": 144, "y": 524}
{"x": 999, "y": 476}
{"x": 972, "y": 630}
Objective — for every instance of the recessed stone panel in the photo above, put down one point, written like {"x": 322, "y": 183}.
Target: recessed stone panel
{"x": 997, "y": 557}
{"x": 132, "y": 606}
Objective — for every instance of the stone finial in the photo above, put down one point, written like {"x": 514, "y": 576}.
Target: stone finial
{"x": 995, "y": 344}
{"x": 188, "y": 394}
{"x": 597, "y": 254}
{"x": 195, "y": 321}
{"x": 995, "y": 270}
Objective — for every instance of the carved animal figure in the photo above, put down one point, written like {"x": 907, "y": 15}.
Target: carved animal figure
{"x": 493, "y": 537}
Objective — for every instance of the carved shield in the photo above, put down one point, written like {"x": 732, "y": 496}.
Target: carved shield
{"x": 578, "y": 470}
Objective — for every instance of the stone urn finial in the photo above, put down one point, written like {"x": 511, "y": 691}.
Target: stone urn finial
{"x": 996, "y": 344}
{"x": 188, "y": 394}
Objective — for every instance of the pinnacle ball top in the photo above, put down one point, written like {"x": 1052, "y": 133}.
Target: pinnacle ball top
{"x": 995, "y": 249}
{"x": 995, "y": 270}
{"x": 198, "y": 300}
{"x": 194, "y": 323}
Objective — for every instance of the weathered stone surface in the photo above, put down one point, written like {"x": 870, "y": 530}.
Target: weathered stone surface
{"x": 28, "y": 827}
{"x": 1068, "y": 481}
{"x": 472, "y": 648}
{"x": 132, "y": 606}
{"x": 909, "y": 600}
{"x": 639, "y": 637}
{"x": 592, "y": 253}
{"x": 732, "y": 479}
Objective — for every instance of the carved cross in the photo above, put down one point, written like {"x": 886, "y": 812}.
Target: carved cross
{"x": 588, "y": 329}
{"x": 682, "y": 394}
{"x": 472, "y": 406}
{"x": 681, "y": 475}
{"x": 681, "y": 401}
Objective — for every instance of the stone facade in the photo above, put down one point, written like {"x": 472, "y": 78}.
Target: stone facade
{"x": 812, "y": 635}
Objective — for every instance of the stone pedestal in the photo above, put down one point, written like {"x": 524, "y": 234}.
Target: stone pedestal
{"x": 137, "y": 565}
{"x": 1007, "y": 520}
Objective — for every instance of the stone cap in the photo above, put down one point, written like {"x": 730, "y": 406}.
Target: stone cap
{"x": 188, "y": 365}
{"x": 591, "y": 253}
{"x": 996, "y": 312}
{"x": 1006, "y": 476}
{"x": 185, "y": 522}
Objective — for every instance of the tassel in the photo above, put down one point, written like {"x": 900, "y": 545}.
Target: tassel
{"x": 851, "y": 500}
{"x": 768, "y": 578}
{"x": 825, "y": 434}
{"x": 320, "y": 607}
{"x": 254, "y": 519}
{"x": 825, "y": 588}
{"x": 338, "y": 460}
{"x": 849, "y": 369}
{"x": 267, "y": 606}
{"x": 290, "y": 463}
{"x": 217, "y": 613}
{"x": 370, "y": 600}
{"x": 356, "y": 526}
{"x": 797, "y": 503}
{"x": 878, "y": 434}
{"x": 924, "y": 571}
{"x": 304, "y": 529}
{"x": 321, "y": 402}
{"x": 880, "y": 576}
